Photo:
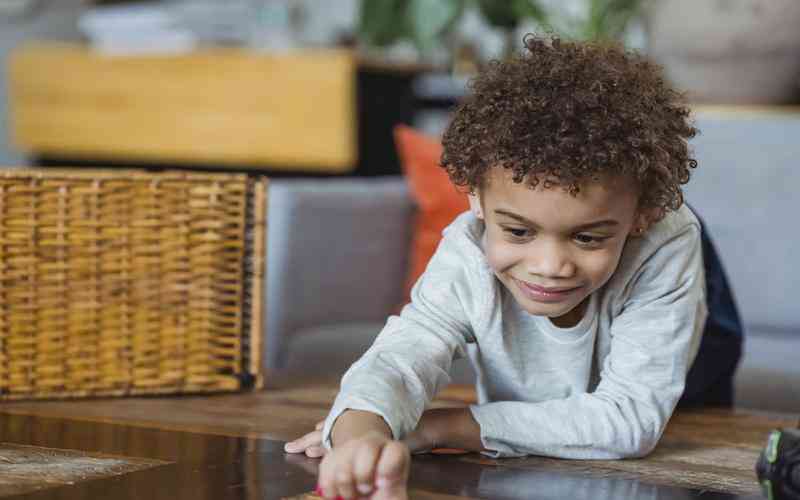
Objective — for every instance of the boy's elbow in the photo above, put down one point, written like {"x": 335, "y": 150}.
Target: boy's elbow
{"x": 641, "y": 441}
{"x": 639, "y": 427}
{"x": 630, "y": 448}
{"x": 640, "y": 449}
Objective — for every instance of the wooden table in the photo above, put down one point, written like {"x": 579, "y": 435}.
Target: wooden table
{"x": 230, "y": 446}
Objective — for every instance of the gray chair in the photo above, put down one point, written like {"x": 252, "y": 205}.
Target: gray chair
{"x": 336, "y": 254}
{"x": 746, "y": 190}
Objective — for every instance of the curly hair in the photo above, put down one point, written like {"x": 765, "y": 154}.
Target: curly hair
{"x": 566, "y": 112}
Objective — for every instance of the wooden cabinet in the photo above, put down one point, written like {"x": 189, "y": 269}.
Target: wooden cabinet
{"x": 222, "y": 107}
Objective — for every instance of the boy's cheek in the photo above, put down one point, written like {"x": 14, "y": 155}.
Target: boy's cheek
{"x": 605, "y": 267}
{"x": 500, "y": 258}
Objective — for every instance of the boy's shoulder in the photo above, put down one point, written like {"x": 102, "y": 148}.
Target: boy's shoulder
{"x": 462, "y": 245}
{"x": 465, "y": 234}
{"x": 664, "y": 248}
{"x": 458, "y": 276}
{"x": 677, "y": 223}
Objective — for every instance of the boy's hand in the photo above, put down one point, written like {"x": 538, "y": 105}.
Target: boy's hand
{"x": 421, "y": 440}
{"x": 445, "y": 429}
{"x": 372, "y": 465}
{"x": 425, "y": 437}
{"x": 310, "y": 444}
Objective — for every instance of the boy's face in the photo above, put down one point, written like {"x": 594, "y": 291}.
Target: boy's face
{"x": 550, "y": 249}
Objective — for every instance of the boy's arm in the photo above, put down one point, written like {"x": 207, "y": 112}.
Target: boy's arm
{"x": 410, "y": 360}
{"x": 653, "y": 343}
{"x": 446, "y": 428}
{"x": 352, "y": 424}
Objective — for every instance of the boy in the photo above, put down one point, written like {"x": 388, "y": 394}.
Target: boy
{"x": 575, "y": 283}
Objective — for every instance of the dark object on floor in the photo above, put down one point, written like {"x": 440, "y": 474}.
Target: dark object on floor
{"x": 778, "y": 466}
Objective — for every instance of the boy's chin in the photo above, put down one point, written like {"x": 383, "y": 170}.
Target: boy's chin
{"x": 551, "y": 310}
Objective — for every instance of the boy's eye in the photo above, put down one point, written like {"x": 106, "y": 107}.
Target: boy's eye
{"x": 588, "y": 239}
{"x": 516, "y": 232}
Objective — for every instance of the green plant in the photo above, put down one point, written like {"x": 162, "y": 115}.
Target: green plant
{"x": 384, "y": 22}
{"x": 605, "y": 19}
{"x": 428, "y": 22}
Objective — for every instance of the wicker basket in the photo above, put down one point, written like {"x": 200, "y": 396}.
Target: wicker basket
{"x": 126, "y": 282}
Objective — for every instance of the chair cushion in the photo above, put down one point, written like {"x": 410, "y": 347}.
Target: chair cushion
{"x": 438, "y": 201}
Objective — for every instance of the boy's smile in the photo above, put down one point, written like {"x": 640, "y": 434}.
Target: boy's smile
{"x": 550, "y": 249}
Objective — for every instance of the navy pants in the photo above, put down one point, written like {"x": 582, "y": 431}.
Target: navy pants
{"x": 710, "y": 379}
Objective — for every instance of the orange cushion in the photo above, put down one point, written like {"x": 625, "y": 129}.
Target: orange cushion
{"x": 438, "y": 200}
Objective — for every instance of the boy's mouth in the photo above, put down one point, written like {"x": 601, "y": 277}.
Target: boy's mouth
{"x": 545, "y": 294}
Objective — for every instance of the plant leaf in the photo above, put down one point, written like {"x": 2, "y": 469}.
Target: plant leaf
{"x": 507, "y": 14}
{"x": 382, "y": 22}
{"x": 499, "y": 13}
{"x": 429, "y": 19}
{"x": 609, "y": 18}
{"x": 530, "y": 9}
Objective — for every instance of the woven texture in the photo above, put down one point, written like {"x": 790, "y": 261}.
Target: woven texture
{"x": 127, "y": 282}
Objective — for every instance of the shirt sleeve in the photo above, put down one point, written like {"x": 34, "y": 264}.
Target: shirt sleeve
{"x": 654, "y": 340}
{"x": 410, "y": 360}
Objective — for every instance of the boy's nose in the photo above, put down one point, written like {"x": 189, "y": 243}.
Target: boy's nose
{"x": 551, "y": 261}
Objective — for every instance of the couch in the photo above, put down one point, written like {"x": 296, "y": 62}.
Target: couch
{"x": 337, "y": 255}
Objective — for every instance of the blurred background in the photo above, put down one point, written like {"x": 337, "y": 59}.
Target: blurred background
{"x": 310, "y": 92}
{"x": 419, "y": 51}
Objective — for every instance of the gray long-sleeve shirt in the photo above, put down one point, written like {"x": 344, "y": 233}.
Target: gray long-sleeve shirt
{"x": 604, "y": 388}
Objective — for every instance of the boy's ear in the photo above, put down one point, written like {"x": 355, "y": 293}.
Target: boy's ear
{"x": 645, "y": 219}
{"x": 475, "y": 205}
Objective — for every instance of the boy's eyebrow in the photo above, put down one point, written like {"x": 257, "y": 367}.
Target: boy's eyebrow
{"x": 582, "y": 227}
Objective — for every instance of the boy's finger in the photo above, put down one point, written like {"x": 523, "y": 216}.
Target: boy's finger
{"x": 391, "y": 482}
{"x": 319, "y": 425}
{"x": 393, "y": 463}
{"x": 343, "y": 476}
{"x": 315, "y": 451}
{"x": 364, "y": 464}
{"x": 396, "y": 490}
{"x": 391, "y": 477}
{"x": 325, "y": 478}
{"x": 313, "y": 438}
